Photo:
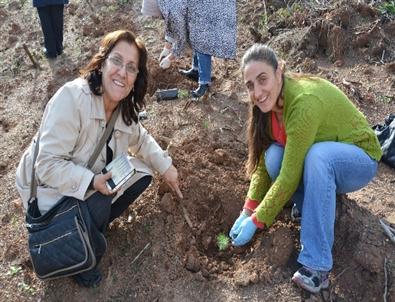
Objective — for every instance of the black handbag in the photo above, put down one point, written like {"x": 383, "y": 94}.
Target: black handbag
{"x": 386, "y": 135}
{"x": 64, "y": 241}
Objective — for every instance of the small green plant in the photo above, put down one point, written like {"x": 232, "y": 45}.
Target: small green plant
{"x": 263, "y": 22}
{"x": 14, "y": 220}
{"x": 285, "y": 14}
{"x": 222, "y": 241}
{"x": 385, "y": 98}
{"x": 123, "y": 2}
{"x": 387, "y": 8}
{"x": 27, "y": 288}
{"x": 182, "y": 93}
{"x": 205, "y": 124}
{"x": 14, "y": 269}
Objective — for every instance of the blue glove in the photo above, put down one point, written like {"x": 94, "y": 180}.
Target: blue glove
{"x": 246, "y": 231}
{"x": 235, "y": 230}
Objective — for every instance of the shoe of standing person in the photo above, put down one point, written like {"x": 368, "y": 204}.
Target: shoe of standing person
{"x": 48, "y": 54}
{"x": 200, "y": 91}
{"x": 192, "y": 74}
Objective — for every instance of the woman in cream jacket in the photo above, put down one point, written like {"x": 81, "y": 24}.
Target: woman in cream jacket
{"x": 73, "y": 123}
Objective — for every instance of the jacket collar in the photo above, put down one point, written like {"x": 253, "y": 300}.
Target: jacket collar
{"x": 97, "y": 112}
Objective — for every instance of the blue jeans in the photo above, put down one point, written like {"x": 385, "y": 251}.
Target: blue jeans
{"x": 329, "y": 168}
{"x": 202, "y": 63}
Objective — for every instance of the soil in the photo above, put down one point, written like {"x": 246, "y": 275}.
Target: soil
{"x": 164, "y": 249}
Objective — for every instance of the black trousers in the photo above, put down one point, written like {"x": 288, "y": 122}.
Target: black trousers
{"x": 51, "y": 18}
{"x": 103, "y": 211}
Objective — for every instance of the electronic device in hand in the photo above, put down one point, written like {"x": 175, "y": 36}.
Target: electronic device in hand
{"x": 121, "y": 171}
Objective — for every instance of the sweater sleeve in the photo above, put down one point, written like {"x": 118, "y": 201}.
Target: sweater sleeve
{"x": 260, "y": 182}
{"x": 302, "y": 121}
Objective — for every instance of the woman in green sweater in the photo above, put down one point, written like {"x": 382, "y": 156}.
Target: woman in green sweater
{"x": 306, "y": 142}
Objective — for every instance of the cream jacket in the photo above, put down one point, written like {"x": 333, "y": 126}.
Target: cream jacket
{"x": 72, "y": 125}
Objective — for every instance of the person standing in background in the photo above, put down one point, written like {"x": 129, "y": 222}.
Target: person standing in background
{"x": 208, "y": 27}
{"x": 51, "y": 19}
{"x": 174, "y": 13}
{"x": 212, "y": 29}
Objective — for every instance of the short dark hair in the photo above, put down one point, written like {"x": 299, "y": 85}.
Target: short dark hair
{"x": 134, "y": 102}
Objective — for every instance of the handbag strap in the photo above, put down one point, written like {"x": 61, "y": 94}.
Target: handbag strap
{"x": 104, "y": 138}
{"x": 92, "y": 159}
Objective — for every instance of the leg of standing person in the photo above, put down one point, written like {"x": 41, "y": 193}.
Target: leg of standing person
{"x": 56, "y": 12}
{"x": 49, "y": 37}
{"x": 204, "y": 69}
{"x": 330, "y": 168}
{"x": 193, "y": 73}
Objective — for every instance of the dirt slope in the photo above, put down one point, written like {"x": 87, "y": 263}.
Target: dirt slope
{"x": 349, "y": 43}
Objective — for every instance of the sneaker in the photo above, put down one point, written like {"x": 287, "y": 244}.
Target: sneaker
{"x": 200, "y": 91}
{"x": 192, "y": 74}
{"x": 90, "y": 279}
{"x": 311, "y": 280}
{"x": 48, "y": 54}
{"x": 295, "y": 214}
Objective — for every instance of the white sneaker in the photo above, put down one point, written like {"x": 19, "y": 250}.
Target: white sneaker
{"x": 311, "y": 280}
{"x": 165, "y": 52}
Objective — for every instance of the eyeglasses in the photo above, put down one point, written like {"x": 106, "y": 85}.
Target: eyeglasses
{"x": 118, "y": 62}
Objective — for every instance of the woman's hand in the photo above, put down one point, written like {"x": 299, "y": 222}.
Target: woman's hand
{"x": 246, "y": 230}
{"x": 171, "y": 178}
{"x": 236, "y": 228}
{"x": 99, "y": 183}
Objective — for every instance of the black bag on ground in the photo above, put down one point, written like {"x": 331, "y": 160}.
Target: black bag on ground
{"x": 63, "y": 241}
{"x": 386, "y": 135}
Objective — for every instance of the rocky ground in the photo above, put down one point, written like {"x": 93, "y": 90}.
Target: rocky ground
{"x": 350, "y": 43}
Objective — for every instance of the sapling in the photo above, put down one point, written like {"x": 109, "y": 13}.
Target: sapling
{"x": 182, "y": 93}
{"x": 222, "y": 241}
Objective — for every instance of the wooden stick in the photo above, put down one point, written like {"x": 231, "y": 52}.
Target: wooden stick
{"x": 138, "y": 256}
{"x": 390, "y": 232}
{"x": 35, "y": 64}
{"x": 187, "y": 104}
{"x": 186, "y": 216}
{"x": 385, "y": 281}
{"x": 341, "y": 273}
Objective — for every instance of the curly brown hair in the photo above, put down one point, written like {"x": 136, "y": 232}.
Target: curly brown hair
{"x": 134, "y": 102}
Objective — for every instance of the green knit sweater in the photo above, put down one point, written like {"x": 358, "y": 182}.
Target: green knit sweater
{"x": 314, "y": 111}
